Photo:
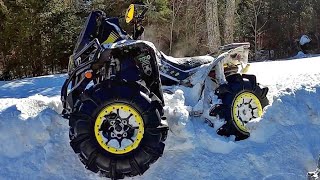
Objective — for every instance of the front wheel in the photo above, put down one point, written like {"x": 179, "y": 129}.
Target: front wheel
{"x": 242, "y": 101}
{"x": 117, "y": 130}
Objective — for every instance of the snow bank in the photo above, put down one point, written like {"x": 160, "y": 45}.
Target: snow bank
{"x": 46, "y": 85}
{"x": 284, "y": 143}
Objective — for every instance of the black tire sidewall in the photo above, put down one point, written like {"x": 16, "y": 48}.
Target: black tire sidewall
{"x": 96, "y": 113}
{"x": 236, "y": 86}
{"x": 148, "y": 110}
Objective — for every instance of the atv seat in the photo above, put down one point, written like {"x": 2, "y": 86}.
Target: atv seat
{"x": 187, "y": 63}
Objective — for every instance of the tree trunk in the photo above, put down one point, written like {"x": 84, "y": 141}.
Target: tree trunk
{"x": 229, "y": 21}
{"x": 255, "y": 36}
{"x": 214, "y": 41}
{"x": 171, "y": 27}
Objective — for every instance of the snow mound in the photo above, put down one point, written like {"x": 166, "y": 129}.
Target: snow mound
{"x": 300, "y": 55}
{"x": 300, "y": 111}
{"x": 179, "y": 122}
{"x": 284, "y": 143}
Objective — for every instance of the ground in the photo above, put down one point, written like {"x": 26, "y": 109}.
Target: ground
{"x": 284, "y": 143}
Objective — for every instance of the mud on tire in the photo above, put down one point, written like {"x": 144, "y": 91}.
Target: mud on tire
{"x": 242, "y": 100}
{"x": 112, "y": 164}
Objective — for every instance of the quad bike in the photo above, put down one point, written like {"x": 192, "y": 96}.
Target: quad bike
{"x": 113, "y": 96}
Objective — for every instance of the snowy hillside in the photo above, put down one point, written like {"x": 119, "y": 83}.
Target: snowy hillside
{"x": 284, "y": 143}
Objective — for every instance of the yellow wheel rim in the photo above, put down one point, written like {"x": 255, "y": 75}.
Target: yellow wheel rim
{"x": 245, "y": 108}
{"x": 119, "y": 128}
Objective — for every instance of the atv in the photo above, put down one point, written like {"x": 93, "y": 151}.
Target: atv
{"x": 113, "y": 96}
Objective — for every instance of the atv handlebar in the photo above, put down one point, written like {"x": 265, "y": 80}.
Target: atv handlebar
{"x": 141, "y": 16}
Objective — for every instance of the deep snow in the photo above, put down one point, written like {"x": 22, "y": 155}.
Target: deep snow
{"x": 284, "y": 143}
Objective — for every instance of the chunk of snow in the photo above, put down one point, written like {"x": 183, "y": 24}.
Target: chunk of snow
{"x": 304, "y": 40}
{"x": 300, "y": 55}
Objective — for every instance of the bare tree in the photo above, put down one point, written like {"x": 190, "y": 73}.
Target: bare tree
{"x": 255, "y": 6}
{"x": 176, "y": 5}
{"x": 229, "y": 21}
{"x": 213, "y": 25}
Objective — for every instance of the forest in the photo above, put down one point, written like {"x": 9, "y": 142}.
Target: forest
{"x": 37, "y": 37}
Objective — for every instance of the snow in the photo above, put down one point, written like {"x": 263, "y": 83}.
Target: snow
{"x": 304, "y": 40}
{"x": 300, "y": 55}
{"x": 284, "y": 143}
{"x": 189, "y": 60}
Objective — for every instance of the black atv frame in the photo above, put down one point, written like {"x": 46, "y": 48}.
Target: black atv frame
{"x": 111, "y": 69}
{"x": 99, "y": 62}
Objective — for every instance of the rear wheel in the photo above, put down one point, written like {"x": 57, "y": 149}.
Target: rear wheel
{"x": 117, "y": 131}
{"x": 242, "y": 101}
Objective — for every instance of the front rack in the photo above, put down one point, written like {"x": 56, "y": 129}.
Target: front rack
{"x": 78, "y": 65}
